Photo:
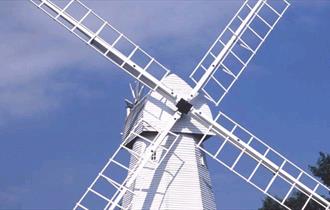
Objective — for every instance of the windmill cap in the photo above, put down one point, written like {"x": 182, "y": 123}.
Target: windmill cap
{"x": 155, "y": 110}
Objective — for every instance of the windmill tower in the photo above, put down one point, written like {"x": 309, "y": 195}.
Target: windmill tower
{"x": 160, "y": 162}
{"x": 183, "y": 171}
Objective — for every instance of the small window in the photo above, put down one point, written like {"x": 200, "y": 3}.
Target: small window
{"x": 153, "y": 155}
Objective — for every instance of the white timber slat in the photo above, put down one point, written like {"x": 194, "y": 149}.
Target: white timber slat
{"x": 241, "y": 45}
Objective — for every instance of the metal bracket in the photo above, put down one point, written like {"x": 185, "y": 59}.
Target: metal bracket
{"x": 183, "y": 106}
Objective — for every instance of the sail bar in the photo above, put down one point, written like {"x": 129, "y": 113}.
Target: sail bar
{"x": 260, "y": 165}
{"x": 109, "y": 42}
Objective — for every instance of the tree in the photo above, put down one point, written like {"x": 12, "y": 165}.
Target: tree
{"x": 295, "y": 202}
{"x": 298, "y": 199}
{"x": 322, "y": 168}
{"x": 270, "y": 204}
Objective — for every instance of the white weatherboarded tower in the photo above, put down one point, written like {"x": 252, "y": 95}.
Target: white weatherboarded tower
{"x": 182, "y": 178}
{"x": 160, "y": 162}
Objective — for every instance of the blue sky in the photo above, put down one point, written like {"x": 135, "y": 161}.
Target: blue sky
{"x": 62, "y": 105}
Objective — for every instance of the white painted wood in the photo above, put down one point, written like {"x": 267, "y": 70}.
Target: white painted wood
{"x": 154, "y": 108}
{"x": 182, "y": 180}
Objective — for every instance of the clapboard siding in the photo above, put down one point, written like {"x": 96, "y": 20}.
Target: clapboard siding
{"x": 181, "y": 181}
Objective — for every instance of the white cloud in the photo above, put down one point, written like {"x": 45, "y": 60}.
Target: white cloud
{"x": 34, "y": 48}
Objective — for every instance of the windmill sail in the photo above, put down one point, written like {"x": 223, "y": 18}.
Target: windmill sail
{"x": 108, "y": 41}
{"x": 258, "y": 164}
{"x": 235, "y": 47}
{"x": 117, "y": 178}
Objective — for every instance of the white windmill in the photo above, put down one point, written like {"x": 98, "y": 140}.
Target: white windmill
{"x": 164, "y": 167}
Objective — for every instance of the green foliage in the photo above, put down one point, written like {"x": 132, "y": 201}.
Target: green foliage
{"x": 298, "y": 199}
{"x": 322, "y": 168}
{"x": 270, "y": 204}
{"x": 295, "y": 202}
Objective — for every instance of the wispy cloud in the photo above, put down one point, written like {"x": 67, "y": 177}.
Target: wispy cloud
{"x": 34, "y": 48}
{"x": 10, "y": 198}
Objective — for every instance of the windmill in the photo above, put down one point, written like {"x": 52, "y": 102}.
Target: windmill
{"x": 162, "y": 153}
